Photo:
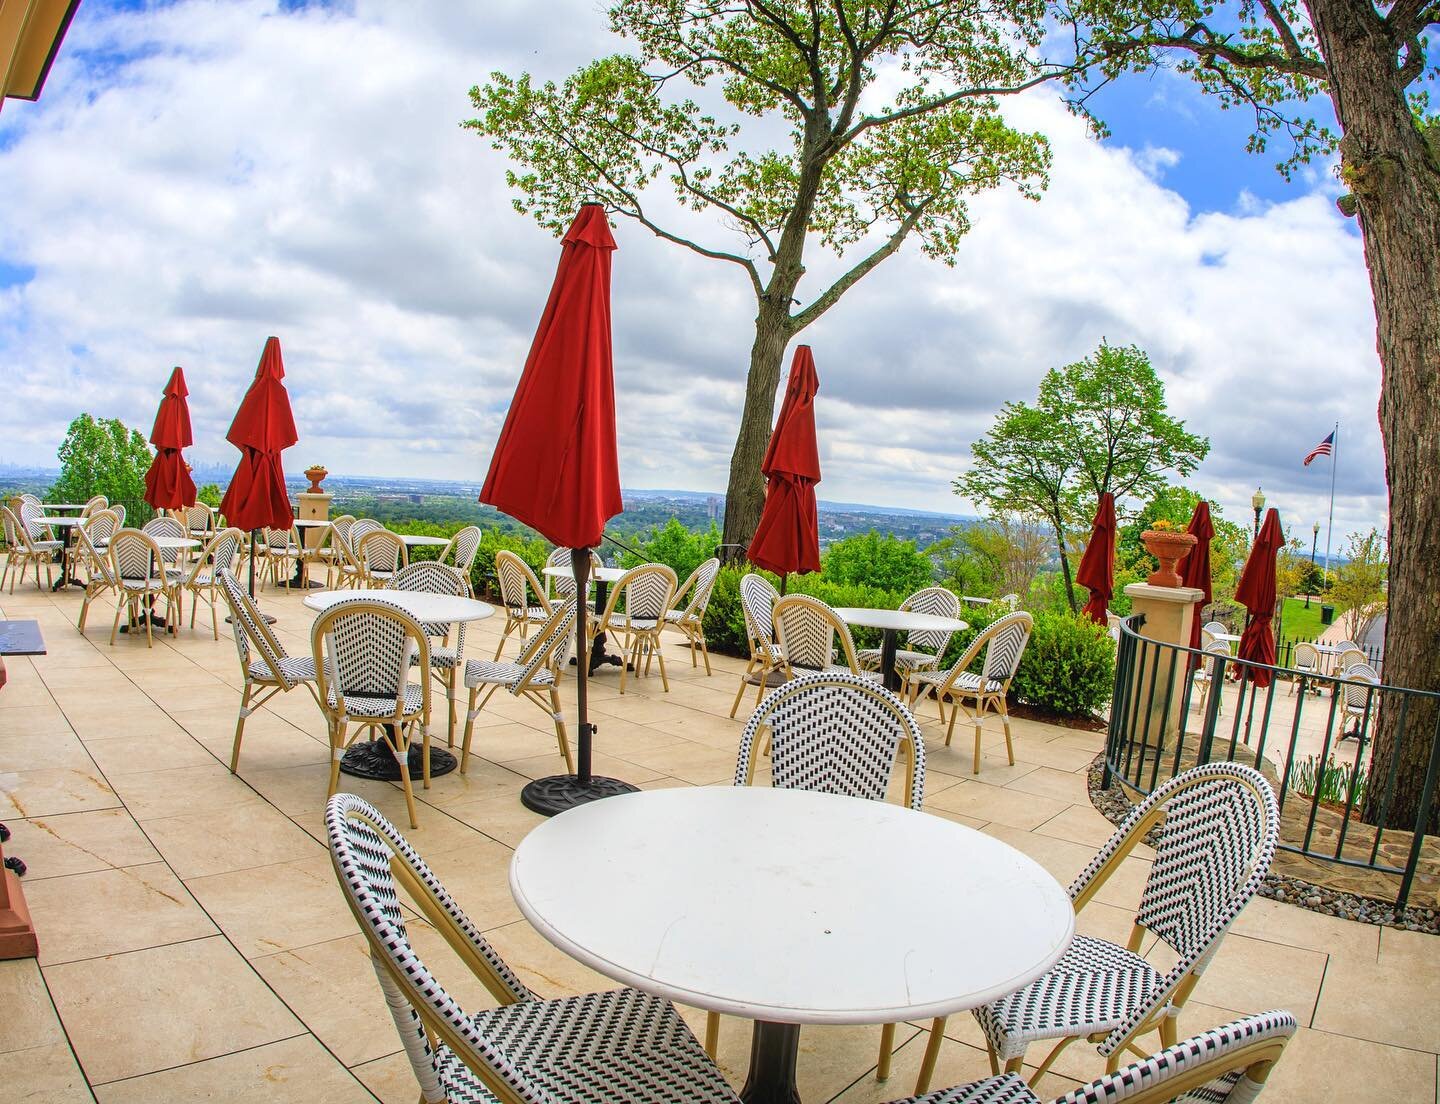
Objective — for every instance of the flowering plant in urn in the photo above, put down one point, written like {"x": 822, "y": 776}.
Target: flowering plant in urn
{"x": 1169, "y": 545}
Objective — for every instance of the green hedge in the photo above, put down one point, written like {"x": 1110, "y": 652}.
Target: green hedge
{"x": 532, "y": 550}
{"x": 1069, "y": 667}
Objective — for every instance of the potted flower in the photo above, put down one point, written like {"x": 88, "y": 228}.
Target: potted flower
{"x": 315, "y": 473}
{"x": 1169, "y": 545}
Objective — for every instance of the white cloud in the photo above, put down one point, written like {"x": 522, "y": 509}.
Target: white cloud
{"x": 200, "y": 175}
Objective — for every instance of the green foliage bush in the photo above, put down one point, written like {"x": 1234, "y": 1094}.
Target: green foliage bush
{"x": 210, "y": 494}
{"x": 675, "y": 545}
{"x": 1069, "y": 666}
{"x": 886, "y": 563}
{"x": 104, "y": 456}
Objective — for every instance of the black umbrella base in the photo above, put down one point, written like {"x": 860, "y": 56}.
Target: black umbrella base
{"x": 374, "y": 760}
{"x": 548, "y": 796}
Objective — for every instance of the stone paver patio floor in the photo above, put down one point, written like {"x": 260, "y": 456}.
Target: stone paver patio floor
{"x": 195, "y": 947}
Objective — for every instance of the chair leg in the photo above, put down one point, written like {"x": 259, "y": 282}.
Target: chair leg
{"x": 887, "y": 1048}
{"x": 450, "y": 701}
{"x": 977, "y": 742}
{"x": 120, "y": 604}
{"x": 660, "y": 658}
{"x": 705, "y": 651}
{"x": 401, "y": 750}
{"x": 560, "y": 736}
{"x": 424, "y": 755}
{"x": 712, "y": 1033}
{"x": 932, "y": 1055}
{"x": 240, "y": 727}
{"x": 337, "y": 753}
{"x": 469, "y": 728}
{"x": 1005, "y": 720}
{"x": 954, "y": 713}
{"x": 740, "y": 693}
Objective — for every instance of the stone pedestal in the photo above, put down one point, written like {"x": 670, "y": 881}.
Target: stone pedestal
{"x": 17, "y": 933}
{"x": 313, "y": 507}
{"x": 1169, "y": 612}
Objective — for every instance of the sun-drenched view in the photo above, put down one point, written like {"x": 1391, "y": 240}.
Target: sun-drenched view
{"x": 668, "y": 551}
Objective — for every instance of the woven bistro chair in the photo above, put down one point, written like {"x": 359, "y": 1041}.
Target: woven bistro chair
{"x": 101, "y": 526}
{"x": 517, "y": 583}
{"x": 757, "y": 605}
{"x": 597, "y": 1048}
{"x": 349, "y": 571}
{"x": 199, "y": 520}
{"x": 533, "y": 676}
{"x": 560, "y": 587}
{"x": 93, "y": 503}
{"x": 926, "y": 646}
{"x": 1003, "y": 643}
{"x": 173, "y": 558}
{"x": 446, "y": 659}
{"x": 1306, "y": 661}
{"x": 26, "y": 551}
{"x": 460, "y": 552}
{"x": 1224, "y": 1065}
{"x": 203, "y": 579}
{"x": 39, "y": 545}
{"x": 99, "y": 569}
{"x": 645, "y": 593}
{"x": 265, "y": 665}
{"x": 333, "y": 551}
{"x": 363, "y": 649}
{"x": 833, "y": 732}
{"x": 381, "y": 554}
{"x": 280, "y": 556}
{"x": 1217, "y": 827}
{"x": 812, "y": 637}
{"x": 689, "y": 620}
{"x": 1349, "y": 657}
{"x": 1208, "y": 671}
{"x": 1357, "y": 699}
{"x": 140, "y": 577}
{"x": 31, "y": 511}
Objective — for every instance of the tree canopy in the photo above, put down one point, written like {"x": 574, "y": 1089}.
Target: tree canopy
{"x": 104, "y": 456}
{"x": 1099, "y": 424}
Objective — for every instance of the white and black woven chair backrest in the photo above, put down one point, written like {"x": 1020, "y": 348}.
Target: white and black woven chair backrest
{"x": 98, "y": 561}
{"x": 199, "y": 517}
{"x": 224, "y": 547}
{"x": 563, "y": 586}
{"x": 757, "y": 599}
{"x": 134, "y": 554}
{"x": 835, "y": 733}
{"x": 278, "y": 540}
{"x": 937, "y": 602}
{"x": 163, "y": 526}
{"x": 358, "y": 531}
{"x": 251, "y": 630}
{"x": 702, "y": 586}
{"x": 1361, "y": 681}
{"x": 367, "y": 652}
{"x": 1221, "y": 1055}
{"x": 463, "y": 546}
{"x": 12, "y": 527}
{"x": 648, "y": 590}
{"x": 101, "y": 526}
{"x": 430, "y": 577}
{"x": 1307, "y": 656}
{"x": 93, "y": 503}
{"x": 1007, "y": 645}
{"x": 1214, "y": 627}
{"x": 806, "y": 629}
{"x": 514, "y": 579}
{"x": 340, "y": 529}
{"x": 362, "y": 844}
{"x": 30, "y": 514}
{"x": 381, "y": 550}
{"x": 119, "y": 508}
{"x": 550, "y": 647}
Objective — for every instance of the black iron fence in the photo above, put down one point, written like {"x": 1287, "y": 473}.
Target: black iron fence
{"x": 1174, "y": 707}
{"x": 1285, "y": 651}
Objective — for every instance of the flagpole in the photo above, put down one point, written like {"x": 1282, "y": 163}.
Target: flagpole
{"x": 1329, "y": 528}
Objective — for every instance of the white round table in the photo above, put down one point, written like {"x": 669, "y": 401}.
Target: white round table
{"x": 790, "y": 907}
{"x": 410, "y": 540}
{"x": 603, "y": 577}
{"x": 68, "y": 524}
{"x": 310, "y": 523}
{"x": 891, "y": 623}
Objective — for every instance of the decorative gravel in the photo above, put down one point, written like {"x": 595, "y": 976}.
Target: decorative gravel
{"x": 1115, "y": 806}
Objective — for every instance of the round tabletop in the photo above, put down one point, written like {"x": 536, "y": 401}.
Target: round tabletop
{"x": 412, "y": 539}
{"x": 899, "y": 620}
{"x": 310, "y": 523}
{"x": 598, "y": 574}
{"x": 173, "y": 544}
{"x": 419, "y": 604}
{"x": 61, "y": 521}
{"x": 64, "y": 505}
{"x": 791, "y": 906}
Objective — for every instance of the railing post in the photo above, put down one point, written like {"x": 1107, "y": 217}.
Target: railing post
{"x": 1168, "y": 613}
{"x": 1119, "y": 698}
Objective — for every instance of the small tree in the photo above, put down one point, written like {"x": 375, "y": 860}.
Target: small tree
{"x": 1359, "y": 587}
{"x": 1098, "y": 425}
{"x": 1001, "y": 555}
{"x": 104, "y": 456}
{"x": 210, "y": 494}
{"x": 885, "y": 562}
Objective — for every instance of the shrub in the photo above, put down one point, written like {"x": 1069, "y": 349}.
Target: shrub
{"x": 675, "y": 545}
{"x": 724, "y": 621}
{"x": 886, "y": 563}
{"x": 1069, "y": 667}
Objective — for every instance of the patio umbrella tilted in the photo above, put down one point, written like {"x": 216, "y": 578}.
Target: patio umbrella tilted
{"x": 262, "y": 429}
{"x": 556, "y": 466}
{"x": 1196, "y": 570}
{"x": 1097, "y": 565}
{"x": 1256, "y": 590}
{"x": 168, "y": 485}
{"x": 787, "y": 537}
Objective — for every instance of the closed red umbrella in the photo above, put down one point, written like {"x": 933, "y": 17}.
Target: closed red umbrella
{"x": 787, "y": 538}
{"x": 1097, "y": 565}
{"x": 262, "y": 429}
{"x": 168, "y": 485}
{"x": 556, "y": 466}
{"x": 1196, "y": 570}
{"x": 1256, "y": 591}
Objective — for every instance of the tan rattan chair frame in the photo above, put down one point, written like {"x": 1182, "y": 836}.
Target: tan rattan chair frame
{"x": 762, "y": 659}
{"x": 546, "y": 651}
{"x": 27, "y": 552}
{"x": 512, "y": 573}
{"x": 160, "y": 583}
{"x": 641, "y": 640}
{"x": 376, "y": 539}
{"x": 806, "y": 605}
{"x": 690, "y": 620}
{"x": 983, "y": 697}
{"x": 394, "y": 729}
{"x": 99, "y": 576}
{"x": 207, "y": 565}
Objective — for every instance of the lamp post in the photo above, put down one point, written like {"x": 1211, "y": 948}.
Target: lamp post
{"x": 1257, "y": 500}
{"x": 1314, "y": 543}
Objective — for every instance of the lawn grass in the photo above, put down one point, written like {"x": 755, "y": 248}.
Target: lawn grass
{"x": 1300, "y": 623}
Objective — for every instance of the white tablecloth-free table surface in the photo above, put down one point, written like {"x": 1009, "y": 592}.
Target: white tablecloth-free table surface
{"x": 419, "y": 604}
{"x": 598, "y": 574}
{"x": 412, "y": 539}
{"x": 899, "y": 620}
{"x": 789, "y": 906}
{"x": 61, "y": 522}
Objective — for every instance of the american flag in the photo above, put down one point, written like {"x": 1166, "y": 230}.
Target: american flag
{"x": 1322, "y": 449}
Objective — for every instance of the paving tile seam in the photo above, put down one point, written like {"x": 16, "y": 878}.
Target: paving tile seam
{"x": 201, "y": 1061}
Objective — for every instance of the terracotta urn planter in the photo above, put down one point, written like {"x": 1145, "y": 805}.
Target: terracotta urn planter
{"x": 1169, "y": 547}
{"x": 315, "y": 474}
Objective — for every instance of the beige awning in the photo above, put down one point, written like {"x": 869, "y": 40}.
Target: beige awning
{"x": 30, "y": 36}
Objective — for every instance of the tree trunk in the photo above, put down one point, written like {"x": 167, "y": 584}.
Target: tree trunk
{"x": 745, "y": 494}
{"x": 1394, "y": 176}
{"x": 1065, "y": 563}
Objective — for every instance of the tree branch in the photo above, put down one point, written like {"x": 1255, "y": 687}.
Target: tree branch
{"x": 1212, "y": 48}
{"x": 832, "y": 294}
{"x": 1283, "y": 29}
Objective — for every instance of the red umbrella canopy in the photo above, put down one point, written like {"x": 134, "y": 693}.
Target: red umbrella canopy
{"x": 556, "y": 467}
{"x": 1196, "y": 570}
{"x": 168, "y": 485}
{"x": 262, "y": 428}
{"x": 787, "y": 538}
{"x": 1256, "y": 591}
{"x": 1097, "y": 565}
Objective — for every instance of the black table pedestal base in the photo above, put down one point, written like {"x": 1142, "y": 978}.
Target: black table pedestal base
{"x": 771, "y": 1080}
{"x": 548, "y": 796}
{"x": 374, "y": 759}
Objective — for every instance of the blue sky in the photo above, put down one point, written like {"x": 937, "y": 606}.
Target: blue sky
{"x": 199, "y": 175}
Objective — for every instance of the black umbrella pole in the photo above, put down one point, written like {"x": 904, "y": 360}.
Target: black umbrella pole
{"x": 580, "y": 566}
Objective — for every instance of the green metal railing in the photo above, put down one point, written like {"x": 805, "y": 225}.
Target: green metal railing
{"x": 1153, "y": 736}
